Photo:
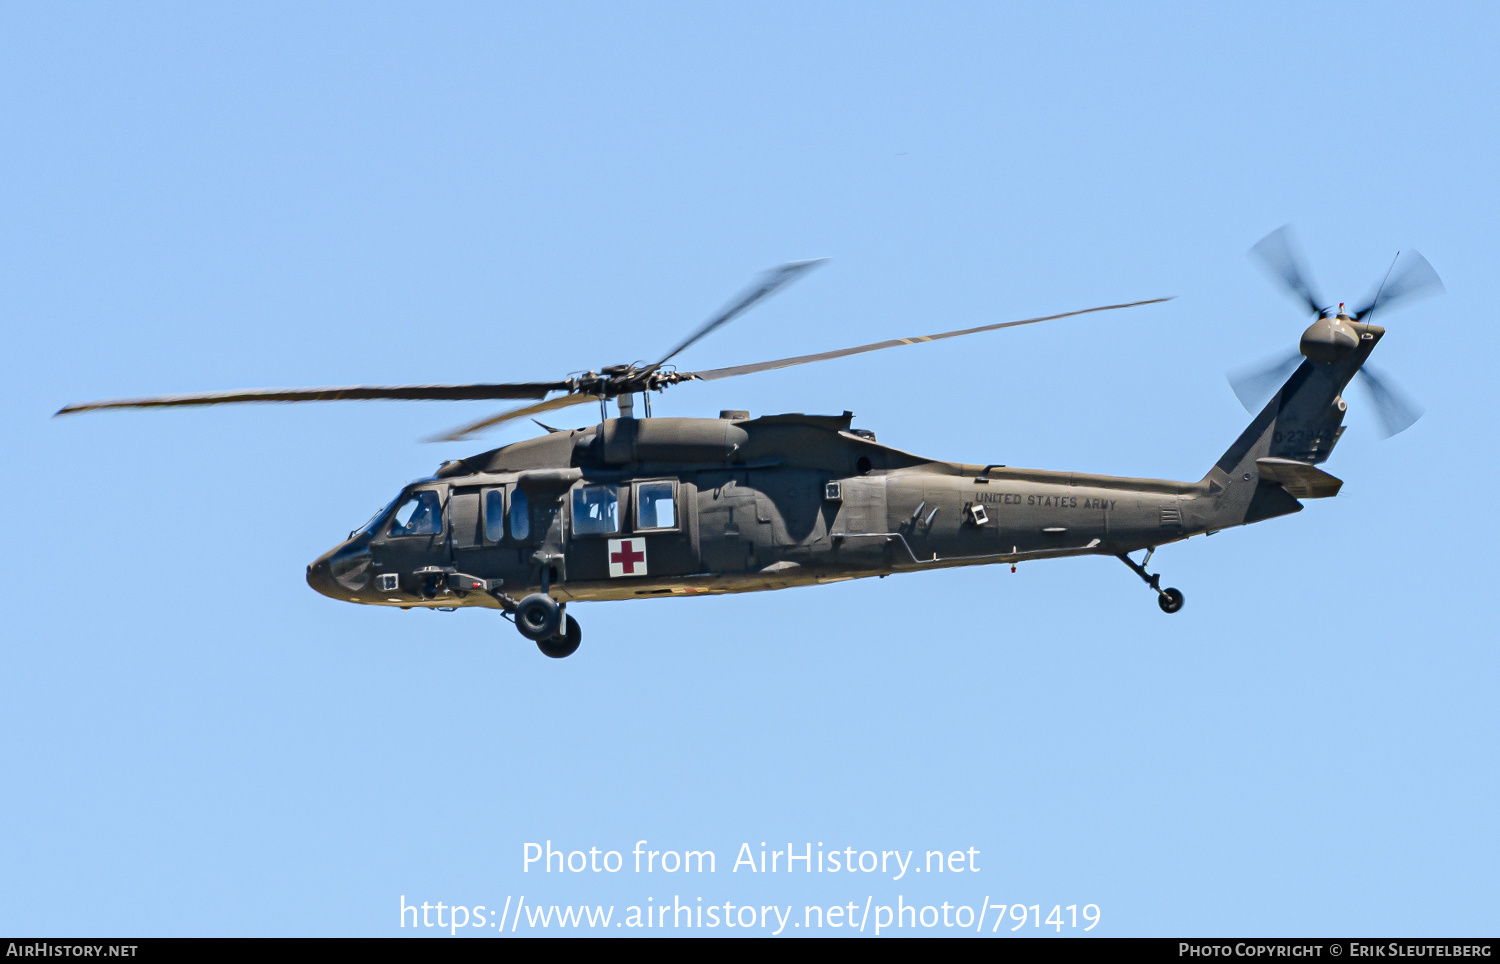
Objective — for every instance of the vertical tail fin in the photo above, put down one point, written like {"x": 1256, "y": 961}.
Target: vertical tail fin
{"x": 1298, "y": 429}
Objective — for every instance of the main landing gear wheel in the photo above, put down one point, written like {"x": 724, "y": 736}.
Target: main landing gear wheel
{"x": 565, "y": 644}
{"x": 1170, "y": 600}
{"x": 538, "y": 617}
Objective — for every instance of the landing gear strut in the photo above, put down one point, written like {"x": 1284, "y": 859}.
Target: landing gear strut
{"x": 1170, "y": 600}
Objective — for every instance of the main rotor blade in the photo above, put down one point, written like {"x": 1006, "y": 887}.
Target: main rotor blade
{"x": 769, "y": 282}
{"x": 1396, "y": 409}
{"x": 1416, "y": 279}
{"x": 1255, "y": 384}
{"x": 1278, "y": 252}
{"x": 718, "y": 373}
{"x": 473, "y": 428}
{"x": 352, "y": 393}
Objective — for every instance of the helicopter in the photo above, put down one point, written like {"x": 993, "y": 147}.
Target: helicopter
{"x": 655, "y": 508}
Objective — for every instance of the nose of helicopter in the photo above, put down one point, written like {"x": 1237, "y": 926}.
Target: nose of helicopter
{"x": 320, "y": 576}
{"x": 344, "y": 570}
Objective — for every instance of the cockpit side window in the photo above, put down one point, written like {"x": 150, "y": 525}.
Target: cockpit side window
{"x": 420, "y": 515}
{"x": 596, "y": 510}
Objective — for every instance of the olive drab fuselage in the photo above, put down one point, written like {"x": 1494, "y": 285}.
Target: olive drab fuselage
{"x": 643, "y": 508}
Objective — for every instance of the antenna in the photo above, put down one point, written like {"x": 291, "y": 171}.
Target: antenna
{"x": 1376, "y": 303}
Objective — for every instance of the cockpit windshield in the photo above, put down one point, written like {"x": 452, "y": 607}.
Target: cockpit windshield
{"x": 370, "y": 527}
{"x": 420, "y": 515}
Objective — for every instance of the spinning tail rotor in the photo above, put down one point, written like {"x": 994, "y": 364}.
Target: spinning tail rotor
{"x": 1332, "y": 334}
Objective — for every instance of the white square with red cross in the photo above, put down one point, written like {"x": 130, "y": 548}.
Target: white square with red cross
{"x": 627, "y": 557}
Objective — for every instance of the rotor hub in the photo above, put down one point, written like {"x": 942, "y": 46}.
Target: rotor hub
{"x": 1329, "y": 339}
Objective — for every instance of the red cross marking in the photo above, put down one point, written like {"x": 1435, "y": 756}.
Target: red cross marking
{"x": 627, "y": 557}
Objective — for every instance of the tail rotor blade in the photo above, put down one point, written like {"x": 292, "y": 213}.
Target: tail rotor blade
{"x": 1396, "y": 410}
{"x": 1255, "y": 384}
{"x": 1415, "y": 279}
{"x": 1279, "y": 254}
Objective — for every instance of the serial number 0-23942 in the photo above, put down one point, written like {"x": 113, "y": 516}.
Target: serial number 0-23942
{"x": 1298, "y": 435}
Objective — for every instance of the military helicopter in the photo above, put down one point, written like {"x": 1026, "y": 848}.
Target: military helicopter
{"x": 652, "y": 508}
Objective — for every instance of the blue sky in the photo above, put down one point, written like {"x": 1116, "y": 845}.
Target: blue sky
{"x": 200, "y": 197}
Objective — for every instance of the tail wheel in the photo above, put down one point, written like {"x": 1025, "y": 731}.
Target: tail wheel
{"x": 564, "y": 644}
{"x": 1170, "y": 600}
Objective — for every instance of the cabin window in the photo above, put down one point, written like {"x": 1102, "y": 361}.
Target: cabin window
{"x": 520, "y": 515}
{"x": 596, "y": 510}
{"x": 656, "y": 506}
{"x": 494, "y": 515}
{"x": 420, "y": 515}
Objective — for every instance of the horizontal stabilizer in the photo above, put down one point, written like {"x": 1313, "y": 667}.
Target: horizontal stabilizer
{"x": 1301, "y": 481}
